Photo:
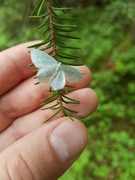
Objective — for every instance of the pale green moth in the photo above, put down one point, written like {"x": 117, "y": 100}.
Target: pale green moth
{"x": 53, "y": 72}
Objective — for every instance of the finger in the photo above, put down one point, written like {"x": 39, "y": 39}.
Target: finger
{"x": 46, "y": 153}
{"x": 25, "y": 124}
{"x": 14, "y": 62}
{"x": 26, "y": 97}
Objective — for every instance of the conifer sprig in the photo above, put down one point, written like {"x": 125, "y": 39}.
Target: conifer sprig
{"x": 55, "y": 30}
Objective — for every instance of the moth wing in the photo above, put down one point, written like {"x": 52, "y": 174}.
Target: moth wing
{"x": 46, "y": 75}
{"x": 58, "y": 81}
{"x": 41, "y": 59}
{"x": 72, "y": 74}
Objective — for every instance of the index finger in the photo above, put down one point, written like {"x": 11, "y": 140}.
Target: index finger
{"x": 14, "y": 62}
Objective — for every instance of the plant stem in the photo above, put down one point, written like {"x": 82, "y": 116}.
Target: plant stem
{"x": 60, "y": 100}
{"x": 52, "y": 32}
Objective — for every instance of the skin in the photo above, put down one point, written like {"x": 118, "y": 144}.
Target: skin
{"x": 26, "y": 147}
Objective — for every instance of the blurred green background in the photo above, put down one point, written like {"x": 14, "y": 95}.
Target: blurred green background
{"x": 107, "y": 29}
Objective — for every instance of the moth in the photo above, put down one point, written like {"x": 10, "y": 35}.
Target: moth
{"x": 53, "y": 72}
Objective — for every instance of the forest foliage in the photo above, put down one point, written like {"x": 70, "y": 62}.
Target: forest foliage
{"x": 107, "y": 29}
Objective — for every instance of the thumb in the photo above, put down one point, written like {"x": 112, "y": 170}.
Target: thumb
{"x": 46, "y": 153}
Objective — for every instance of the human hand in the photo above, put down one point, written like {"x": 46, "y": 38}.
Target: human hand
{"x": 29, "y": 149}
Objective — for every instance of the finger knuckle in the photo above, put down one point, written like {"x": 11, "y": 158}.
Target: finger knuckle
{"x": 18, "y": 168}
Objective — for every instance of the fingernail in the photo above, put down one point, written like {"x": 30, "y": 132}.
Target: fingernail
{"x": 68, "y": 140}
